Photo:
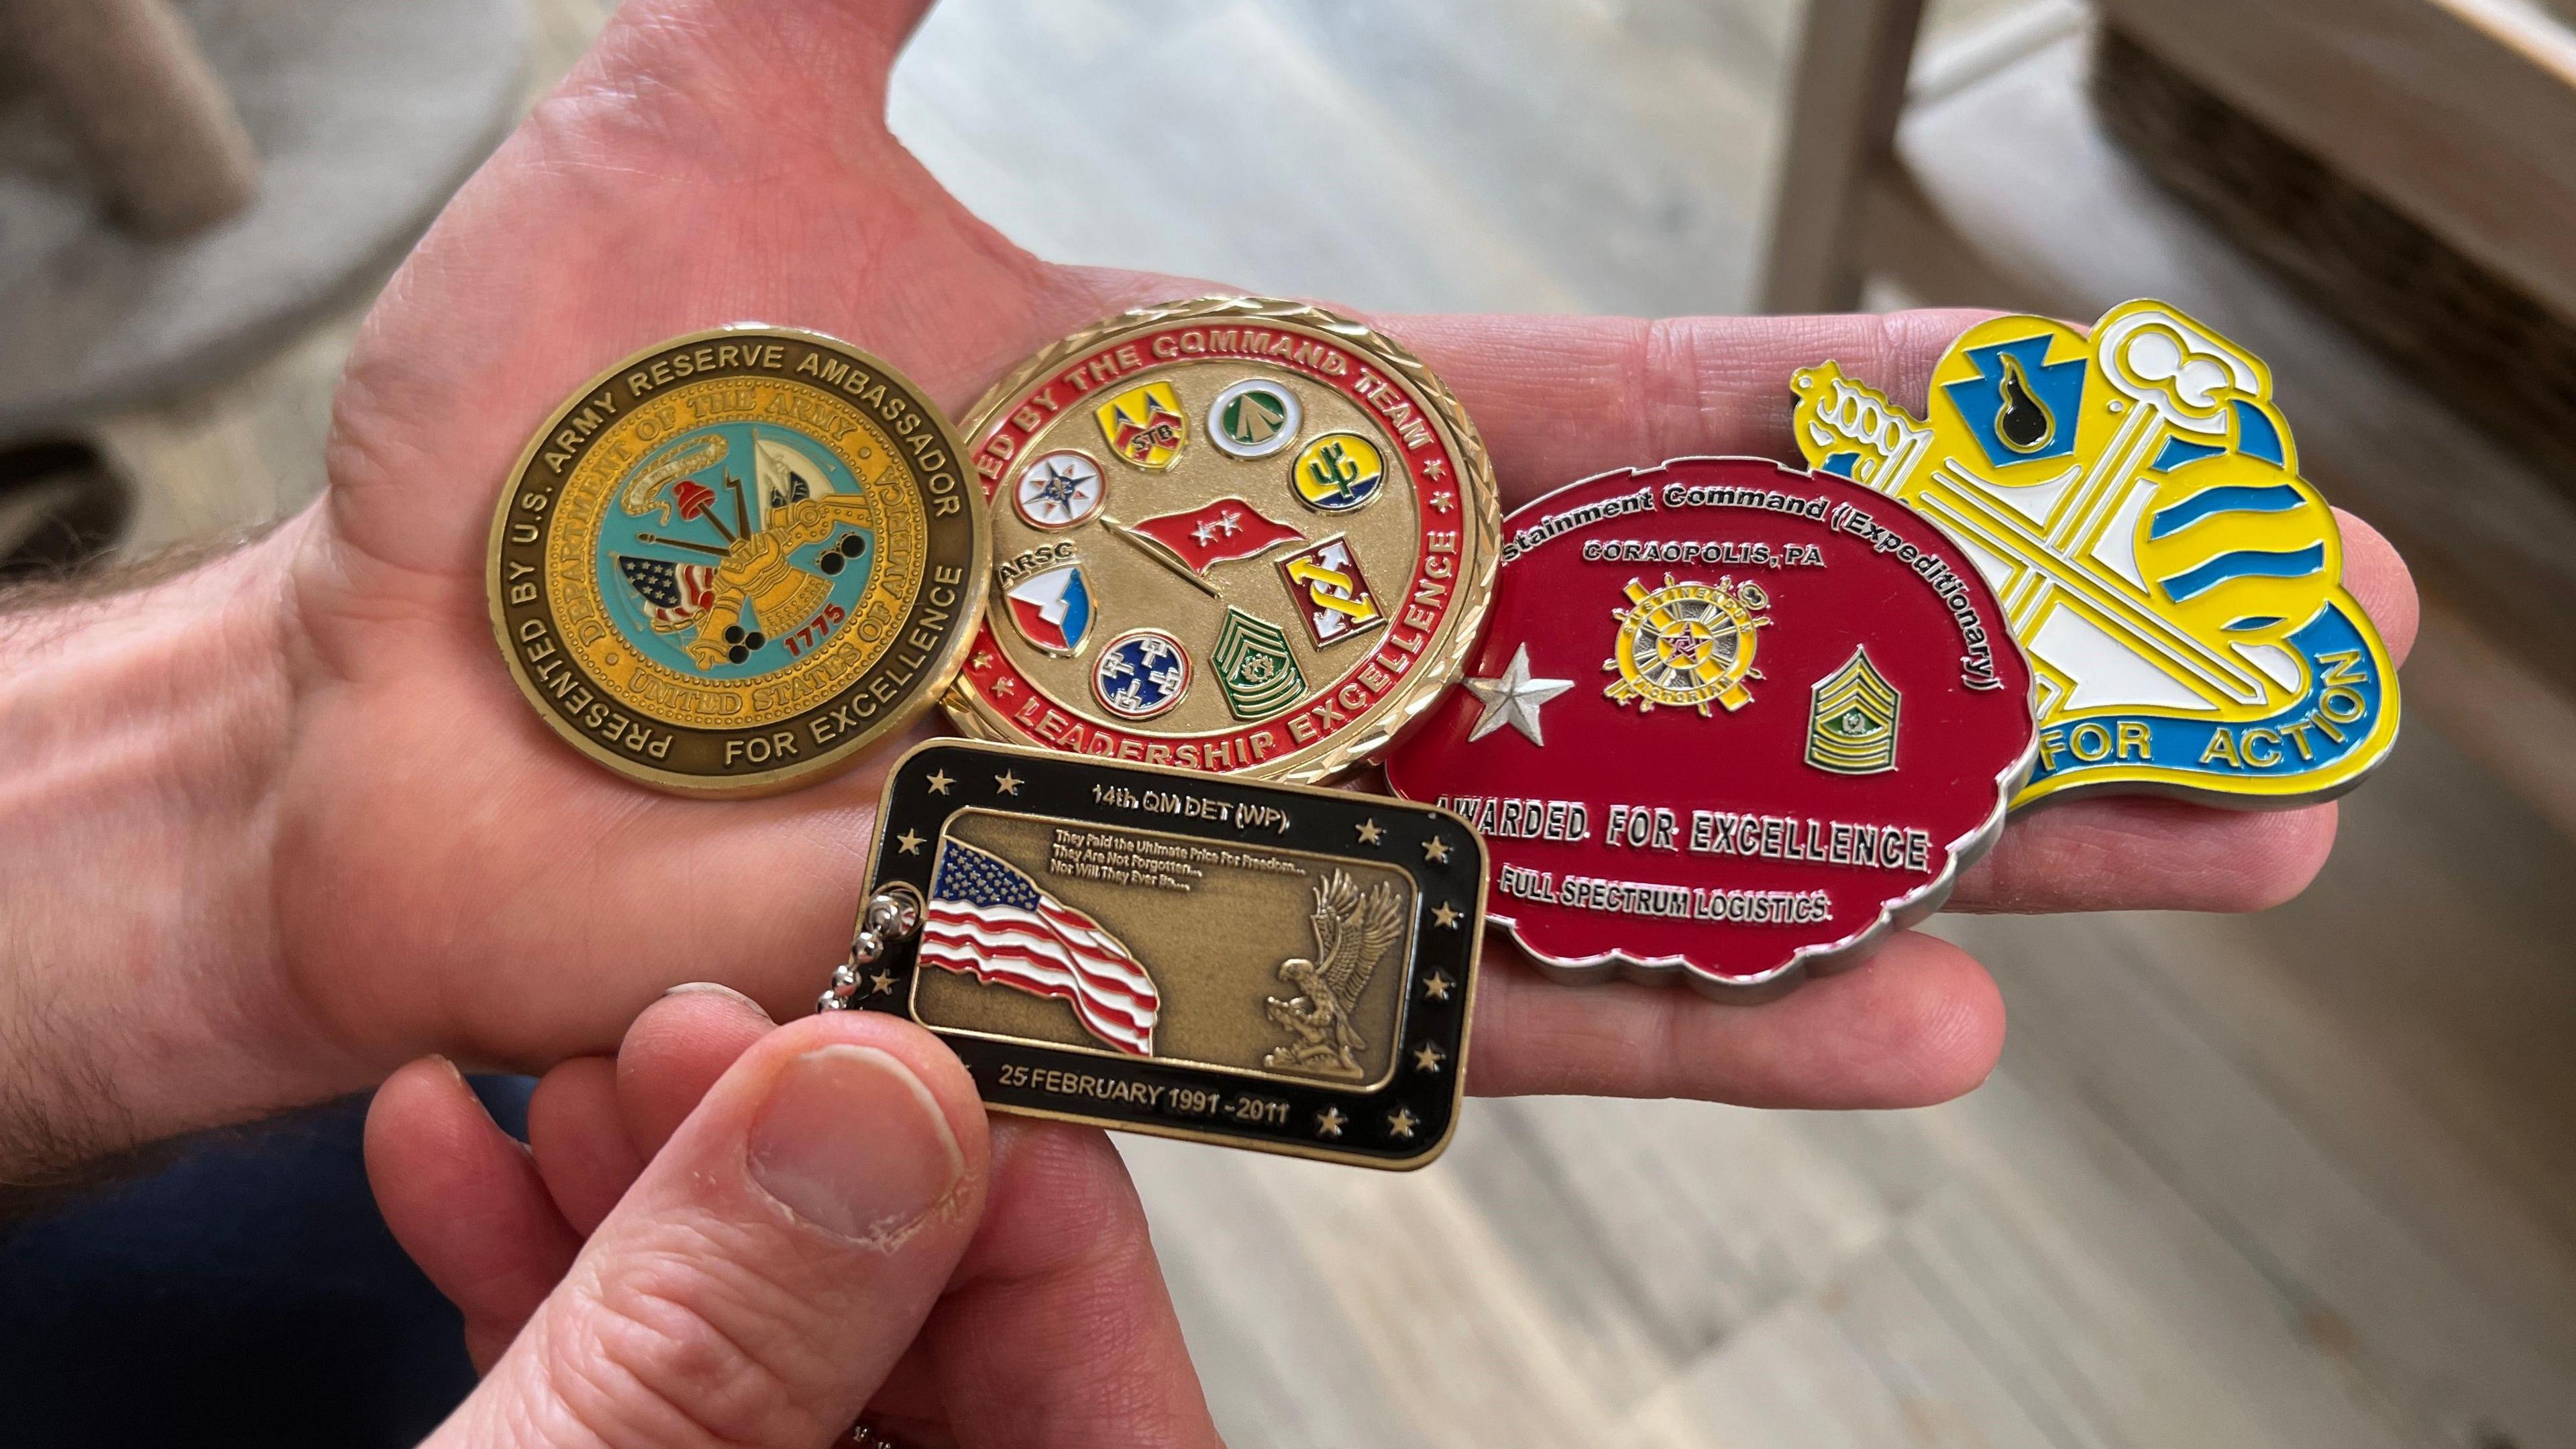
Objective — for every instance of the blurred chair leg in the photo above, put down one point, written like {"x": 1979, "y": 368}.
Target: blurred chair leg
{"x": 161, "y": 138}
{"x": 1844, "y": 99}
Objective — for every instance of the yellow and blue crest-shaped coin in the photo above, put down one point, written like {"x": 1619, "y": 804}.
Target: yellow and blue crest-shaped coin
{"x": 2134, "y": 498}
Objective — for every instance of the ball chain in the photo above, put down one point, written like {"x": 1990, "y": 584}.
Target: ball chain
{"x": 891, "y": 915}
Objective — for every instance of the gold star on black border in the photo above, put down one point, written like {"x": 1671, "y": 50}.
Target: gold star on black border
{"x": 939, "y": 781}
{"x": 1426, "y": 1058}
{"x": 1007, "y": 783}
{"x": 1371, "y": 832}
{"x": 1328, "y": 1123}
{"x": 1442, "y": 915}
{"x": 910, "y": 841}
{"x": 1401, "y": 1122}
{"x": 1436, "y": 850}
{"x": 1437, "y": 985}
{"x": 881, "y": 983}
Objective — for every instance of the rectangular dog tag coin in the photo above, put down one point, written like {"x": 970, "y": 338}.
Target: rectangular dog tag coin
{"x": 1196, "y": 956}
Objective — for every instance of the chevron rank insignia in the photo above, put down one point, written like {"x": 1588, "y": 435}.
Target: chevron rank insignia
{"x": 2134, "y": 498}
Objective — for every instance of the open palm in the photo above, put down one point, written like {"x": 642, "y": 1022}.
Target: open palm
{"x": 451, "y": 877}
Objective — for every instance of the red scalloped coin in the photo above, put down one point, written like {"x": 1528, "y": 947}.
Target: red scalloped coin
{"x": 1730, "y": 721}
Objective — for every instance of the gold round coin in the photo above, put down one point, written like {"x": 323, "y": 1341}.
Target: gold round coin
{"x": 1244, "y": 535}
{"x": 731, "y": 563}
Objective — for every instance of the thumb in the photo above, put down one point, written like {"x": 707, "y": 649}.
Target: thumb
{"x": 772, "y": 1263}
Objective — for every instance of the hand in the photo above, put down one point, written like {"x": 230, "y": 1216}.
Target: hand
{"x": 733, "y": 1235}
{"x": 429, "y": 869}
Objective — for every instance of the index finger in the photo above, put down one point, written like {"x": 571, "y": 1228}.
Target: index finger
{"x": 1562, "y": 398}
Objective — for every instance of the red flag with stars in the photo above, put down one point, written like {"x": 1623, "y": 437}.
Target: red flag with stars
{"x": 1219, "y": 532}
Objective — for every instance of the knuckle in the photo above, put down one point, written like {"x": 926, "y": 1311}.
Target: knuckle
{"x": 685, "y": 1346}
{"x": 1680, "y": 409}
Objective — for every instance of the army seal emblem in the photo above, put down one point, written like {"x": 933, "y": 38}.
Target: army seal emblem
{"x": 729, "y": 564}
{"x": 1320, "y": 565}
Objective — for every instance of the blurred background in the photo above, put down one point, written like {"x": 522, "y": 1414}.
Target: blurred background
{"x": 2301, "y": 1178}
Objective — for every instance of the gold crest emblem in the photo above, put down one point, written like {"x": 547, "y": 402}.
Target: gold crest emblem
{"x": 1687, "y": 644}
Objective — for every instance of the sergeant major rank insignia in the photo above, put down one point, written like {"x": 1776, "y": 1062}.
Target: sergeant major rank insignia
{"x": 2135, "y": 499}
{"x": 1254, "y": 665}
{"x": 1851, "y": 723}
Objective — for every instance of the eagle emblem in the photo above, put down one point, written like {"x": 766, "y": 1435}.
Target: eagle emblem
{"x": 1353, "y": 928}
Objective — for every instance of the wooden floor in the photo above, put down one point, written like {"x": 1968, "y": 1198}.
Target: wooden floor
{"x": 2301, "y": 1179}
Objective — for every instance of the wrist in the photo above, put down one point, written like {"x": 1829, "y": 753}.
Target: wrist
{"x": 145, "y": 729}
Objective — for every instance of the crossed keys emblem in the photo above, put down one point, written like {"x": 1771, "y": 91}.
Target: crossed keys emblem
{"x": 2134, "y": 498}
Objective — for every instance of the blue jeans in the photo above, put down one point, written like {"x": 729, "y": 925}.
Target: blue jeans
{"x": 246, "y": 1293}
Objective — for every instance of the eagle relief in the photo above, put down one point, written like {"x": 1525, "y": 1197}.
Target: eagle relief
{"x": 1353, "y": 929}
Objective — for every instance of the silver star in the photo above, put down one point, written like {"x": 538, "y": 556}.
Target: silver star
{"x": 1514, "y": 699}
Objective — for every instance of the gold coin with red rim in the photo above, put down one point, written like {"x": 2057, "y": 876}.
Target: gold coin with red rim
{"x": 1730, "y": 723}
{"x": 1241, "y": 536}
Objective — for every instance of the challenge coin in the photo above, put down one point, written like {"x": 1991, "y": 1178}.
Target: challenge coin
{"x": 729, "y": 564}
{"x": 1730, "y": 723}
{"x": 2134, "y": 496}
{"x": 1289, "y": 497}
{"x": 1214, "y": 958}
